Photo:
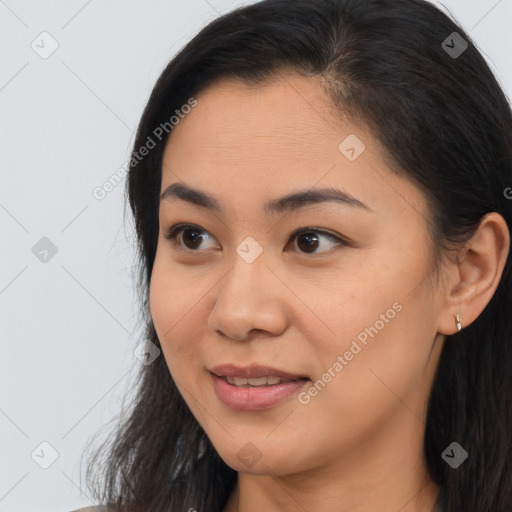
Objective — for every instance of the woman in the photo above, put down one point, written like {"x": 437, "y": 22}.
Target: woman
{"x": 321, "y": 194}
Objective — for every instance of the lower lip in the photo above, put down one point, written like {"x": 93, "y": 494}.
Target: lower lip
{"x": 254, "y": 398}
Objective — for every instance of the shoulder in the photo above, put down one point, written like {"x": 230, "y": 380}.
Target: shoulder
{"x": 91, "y": 509}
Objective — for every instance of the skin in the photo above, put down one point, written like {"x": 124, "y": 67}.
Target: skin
{"x": 357, "y": 445}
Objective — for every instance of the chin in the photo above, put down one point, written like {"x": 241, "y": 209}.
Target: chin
{"x": 258, "y": 459}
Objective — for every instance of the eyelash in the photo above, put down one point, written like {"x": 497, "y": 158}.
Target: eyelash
{"x": 173, "y": 232}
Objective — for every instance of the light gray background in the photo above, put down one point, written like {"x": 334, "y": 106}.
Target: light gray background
{"x": 67, "y": 123}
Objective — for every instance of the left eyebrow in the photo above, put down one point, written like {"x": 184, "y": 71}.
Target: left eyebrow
{"x": 290, "y": 202}
{"x": 303, "y": 198}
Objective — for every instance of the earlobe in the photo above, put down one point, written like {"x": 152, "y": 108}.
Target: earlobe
{"x": 476, "y": 275}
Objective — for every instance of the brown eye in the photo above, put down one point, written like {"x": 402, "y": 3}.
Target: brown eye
{"x": 308, "y": 240}
{"x": 187, "y": 236}
{"x": 191, "y": 238}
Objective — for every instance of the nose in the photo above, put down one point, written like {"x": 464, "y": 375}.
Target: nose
{"x": 250, "y": 299}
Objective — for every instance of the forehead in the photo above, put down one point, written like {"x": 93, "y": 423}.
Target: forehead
{"x": 291, "y": 116}
{"x": 243, "y": 141}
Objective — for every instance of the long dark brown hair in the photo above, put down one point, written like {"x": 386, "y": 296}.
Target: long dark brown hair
{"x": 446, "y": 124}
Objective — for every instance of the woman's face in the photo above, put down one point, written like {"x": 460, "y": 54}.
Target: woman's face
{"x": 345, "y": 313}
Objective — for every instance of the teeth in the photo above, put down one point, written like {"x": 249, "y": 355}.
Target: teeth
{"x": 238, "y": 381}
{"x": 257, "y": 381}
{"x": 254, "y": 381}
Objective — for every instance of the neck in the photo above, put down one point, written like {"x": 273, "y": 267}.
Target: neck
{"x": 387, "y": 477}
{"x": 276, "y": 494}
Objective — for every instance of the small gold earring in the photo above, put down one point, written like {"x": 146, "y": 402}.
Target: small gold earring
{"x": 459, "y": 325}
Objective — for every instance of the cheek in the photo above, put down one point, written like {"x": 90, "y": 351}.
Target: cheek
{"x": 355, "y": 307}
{"x": 382, "y": 325}
{"x": 172, "y": 309}
{"x": 383, "y": 363}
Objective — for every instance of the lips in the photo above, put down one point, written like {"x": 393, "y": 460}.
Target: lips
{"x": 255, "y": 387}
{"x": 254, "y": 375}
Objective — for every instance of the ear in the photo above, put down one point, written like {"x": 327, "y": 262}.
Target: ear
{"x": 474, "y": 277}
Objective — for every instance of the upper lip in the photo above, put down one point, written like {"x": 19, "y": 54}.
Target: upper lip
{"x": 252, "y": 371}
